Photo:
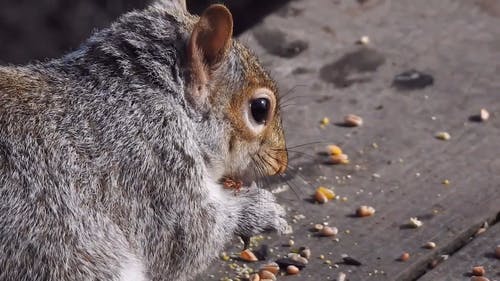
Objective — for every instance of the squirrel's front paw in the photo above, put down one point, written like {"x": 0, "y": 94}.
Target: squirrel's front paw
{"x": 260, "y": 213}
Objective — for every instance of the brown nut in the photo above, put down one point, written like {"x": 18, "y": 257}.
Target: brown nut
{"x": 271, "y": 267}
{"x": 365, "y": 211}
{"x": 352, "y": 120}
{"x": 254, "y": 277}
{"x": 405, "y": 256}
{"x": 328, "y": 231}
{"x": 248, "y": 255}
{"x": 320, "y": 197}
{"x": 264, "y": 274}
{"x": 292, "y": 270}
{"x": 478, "y": 271}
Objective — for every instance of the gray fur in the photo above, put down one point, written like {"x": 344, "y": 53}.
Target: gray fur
{"x": 104, "y": 162}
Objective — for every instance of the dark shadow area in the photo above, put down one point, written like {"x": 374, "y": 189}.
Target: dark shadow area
{"x": 45, "y": 29}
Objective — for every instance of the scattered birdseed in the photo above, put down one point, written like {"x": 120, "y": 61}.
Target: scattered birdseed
{"x": 364, "y": 40}
{"x": 290, "y": 243}
{"x": 327, "y": 192}
{"x": 430, "y": 245}
{"x": 320, "y": 197}
{"x": 353, "y": 120}
{"x": 339, "y": 159}
{"x": 325, "y": 121}
{"x": 224, "y": 256}
{"x": 321, "y": 257}
{"x": 415, "y": 223}
{"x": 365, "y": 211}
{"x": 478, "y": 271}
{"x": 443, "y": 136}
{"x": 264, "y": 274}
{"x": 341, "y": 277}
{"x": 405, "y": 256}
{"x": 334, "y": 149}
{"x": 484, "y": 115}
{"x": 318, "y": 227}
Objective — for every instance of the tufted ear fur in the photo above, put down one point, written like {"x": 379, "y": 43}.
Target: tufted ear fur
{"x": 208, "y": 45}
{"x": 179, "y": 5}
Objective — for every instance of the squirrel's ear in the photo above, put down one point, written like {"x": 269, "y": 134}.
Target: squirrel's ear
{"x": 211, "y": 38}
{"x": 212, "y": 34}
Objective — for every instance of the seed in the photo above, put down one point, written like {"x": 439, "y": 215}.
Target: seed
{"x": 352, "y": 120}
{"x": 327, "y": 192}
{"x": 325, "y": 121}
{"x": 484, "y": 115}
{"x": 341, "y": 277}
{"x": 334, "y": 150}
{"x": 365, "y": 211}
{"x": 480, "y": 231}
{"x": 264, "y": 274}
{"x": 318, "y": 227}
{"x": 415, "y": 223}
{"x": 404, "y": 257}
{"x": 291, "y": 243}
{"x": 364, "y": 40}
{"x": 339, "y": 159}
{"x": 254, "y": 277}
{"x": 497, "y": 251}
{"x": 247, "y": 255}
{"x": 224, "y": 256}
{"x": 479, "y": 278}
{"x": 446, "y": 182}
{"x": 320, "y": 197}
{"x": 328, "y": 231}
{"x": 305, "y": 252}
{"x": 271, "y": 267}
{"x": 430, "y": 245}
{"x": 478, "y": 271}
{"x": 443, "y": 136}
{"x": 292, "y": 270}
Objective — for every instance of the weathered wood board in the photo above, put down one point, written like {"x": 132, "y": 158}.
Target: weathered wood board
{"x": 479, "y": 252}
{"x": 397, "y": 165}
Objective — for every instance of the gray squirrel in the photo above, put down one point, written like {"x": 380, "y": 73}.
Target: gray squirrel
{"x": 112, "y": 158}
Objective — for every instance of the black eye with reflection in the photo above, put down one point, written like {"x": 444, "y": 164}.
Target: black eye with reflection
{"x": 260, "y": 110}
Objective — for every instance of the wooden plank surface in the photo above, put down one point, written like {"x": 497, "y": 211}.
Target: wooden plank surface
{"x": 479, "y": 252}
{"x": 397, "y": 165}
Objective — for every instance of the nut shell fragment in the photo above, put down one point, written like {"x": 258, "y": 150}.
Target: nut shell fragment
{"x": 248, "y": 255}
{"x": 353, "y": 120}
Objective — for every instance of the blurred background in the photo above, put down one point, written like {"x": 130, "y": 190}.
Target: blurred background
{"x": 44, "y": 29}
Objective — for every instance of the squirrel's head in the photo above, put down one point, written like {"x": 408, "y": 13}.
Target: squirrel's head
{"x": 227, "y": 80}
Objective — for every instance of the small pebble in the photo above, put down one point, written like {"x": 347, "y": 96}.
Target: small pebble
{"x": 365, "y": 211}
{"x": 292, "y": 270}
{"x": 328, "y": 231}
{"x": 484, "y": 115}
{"x": 478, "y": 271}
{"x": 497, "y": 251}
{"x": 334, "y": 149}
{"x": 353, "y": 120}
{"x": 247, "y": 255}
{"x": 443, "y": 136}
{"x": 430, "y": 245}
{"x": 404, "y": 257}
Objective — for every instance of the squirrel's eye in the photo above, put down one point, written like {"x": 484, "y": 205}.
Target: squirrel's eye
{"x": 260, "y": 110}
